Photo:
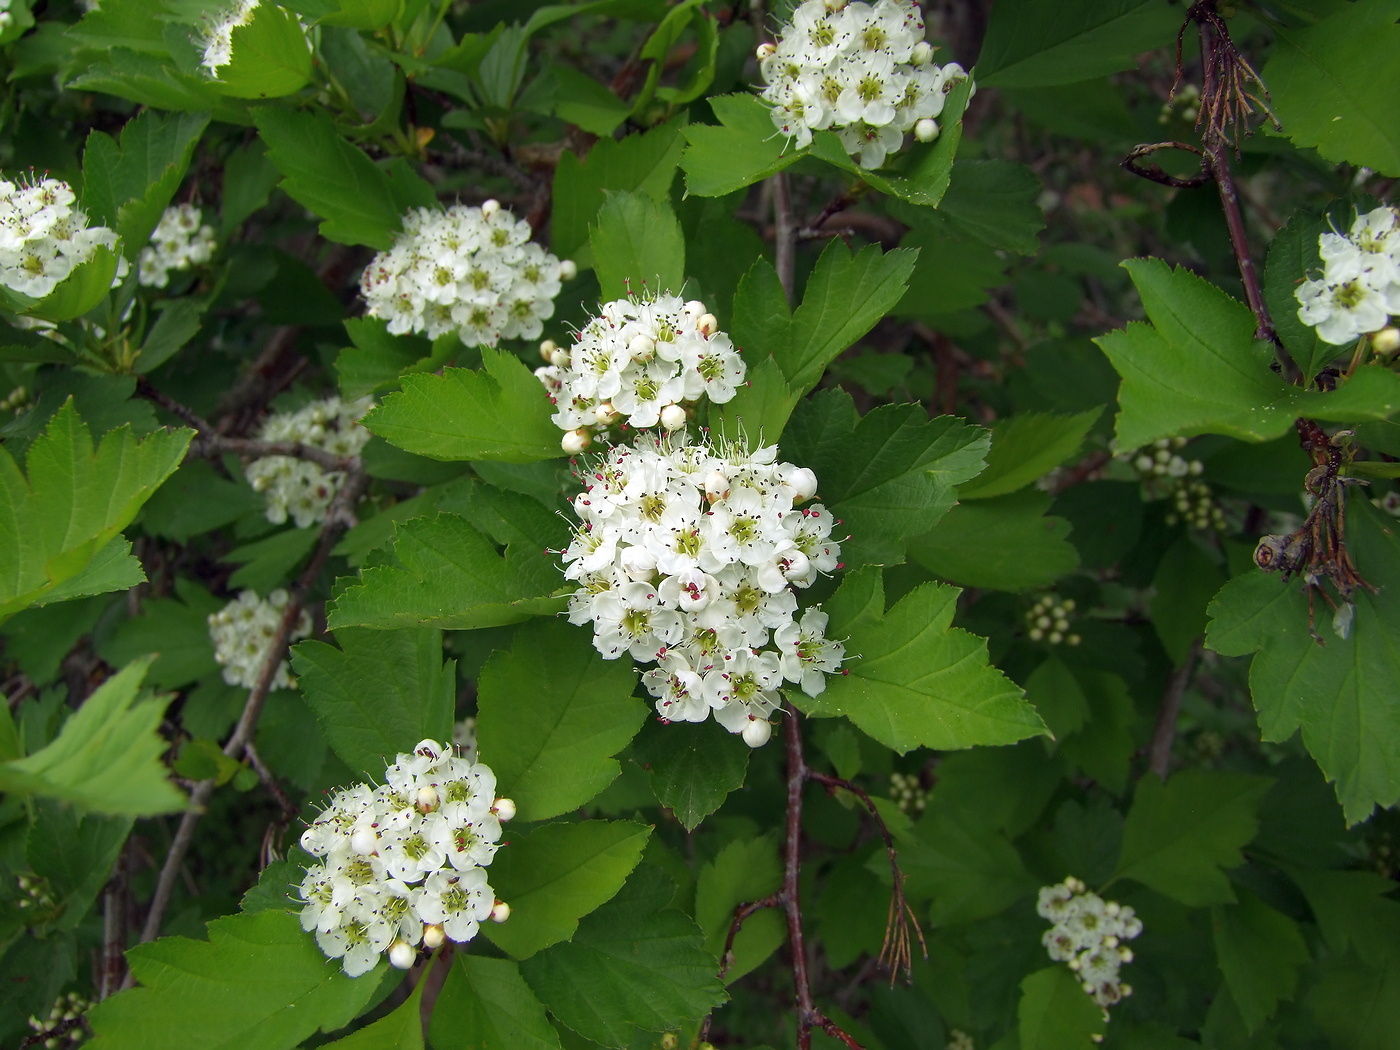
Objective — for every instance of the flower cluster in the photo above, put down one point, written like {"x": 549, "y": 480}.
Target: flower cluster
{"x": 404, "y": 863}
{"x": 35, "y": 894}
{"x": 181, "y": 240}
{"x": 216, "y": 38}
{"x": 639, "y": 363}
{"x": 1048, "y": 621}
{"x": 1088, "y": 935}
{"x": 1160, "y": 462}
{"x": 908, "y": 793}
{"x": 473, "y": 271}
{"x": 1193, "y": 502}
{"x": 687, "y": 556}
{"x": 63, "y": 1027}
{"x": 296, "y": 487}
{"x": 1166, "y": 474}
{"x": 43, "y": 237}
{"x": 243, "y": 631}
{"x": 861, "y": 70}
{"x": 1360, "y": 284}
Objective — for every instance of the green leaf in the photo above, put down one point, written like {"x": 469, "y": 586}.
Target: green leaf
{"x": 970, "y": 871}
{"x": 887, "y": 476}
{"x": 1025, "y": 448}
{"x": 113, "y": 568}
{"x": 176, "y": 324}
{"x": 1103, "y": 748}
{"x": 271, "y": 57}
{"x": 379, "y": 694}
{"x": 1181, "y": 834}
{"x": 266, "y": 564}
{"x": 1197, "y": 369}
{"x": 1341, "y": 693}
{"x": 81, "y": 290}
{"x": 451, "y": 576}
{"x": 554, "y": 874}
{"x": 1331, "y": 83}
{"x": 692, "y": 768}
{"x": 74, "y": 501}
{"x": 1007, "y": 544}
{"x": 1292, "y": 253}
{"x": 196, "y": 499}
{"x": 399, "y": 1029}
{"x": 743, "y": 871}
{"x": 364, "y": 14}
{"x": 378, "y": 358}
{"x": 551, "y": 728}
{"x": 912, "y": 680}
{"x": 992, "y": 201}
{"x": 258, "y": 983}
{"x": 758, "y": 411}
{"x": 486, "y": 1003}
{"x": 644, "y": 163}
{"x": 1058, "y": 697}
{"x": 499, "y": 413}
{"x": 744, "y": 149}
{"x": 128, "y": 186}
{"x": 130, "y": 24}
{"x": 106, "y": 758}
{"x": 149, "y": 80}
{"x": 1056, "y": 1014}
{"x": 74, "y": 854}
{"x": 1037, "y": 43}
{"x": 637, "y": 246}
{"x": 1185, "y": 582}
{"x": 175, "y": 630}
{"x": 633, "y": 964}
{"x": 357, "y": 201}
{"x": 1260, "y": 951}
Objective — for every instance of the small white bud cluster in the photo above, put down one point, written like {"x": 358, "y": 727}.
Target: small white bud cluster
{"x": 687, "y": 556}
{"x": 639, "y": 363}
{"x": 1194, "y": 503}
{"x": 1390, "y": 503}
{"x": 43, "y": 237}
{"x": 473, "y": 271}
{"x": 181, "y": 241}
{"x": 216, "y": 35}
{"x": 1359, "y": 288}
{"x": 1160, "y": 461}
{"x": 1088, "y": 935}
{"x": 15, "y": 400}
{"x": 34, "y": 893}
{"x": 297, "y": 487}
{"x": 960, "y": 1040}
{"x": 1048, "y": 620}
{"x": 66, "y": 1008}
{"x": 908, "y": 793}
{"x": 861, "y": 70}
{"x": 404, "y": 862}
{"x": 243, "y": 631}
{"x": 1187, "y": 100}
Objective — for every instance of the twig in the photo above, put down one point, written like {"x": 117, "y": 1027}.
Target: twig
{"x": 1159, "y": 755}
{"x": 114, "y": 907}
{"x": 338, "y": 519}
{"x": 784, "y": 233}
{"x": 741, "y": 914}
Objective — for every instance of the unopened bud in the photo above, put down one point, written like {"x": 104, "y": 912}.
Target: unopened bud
{"x": 433, "y": 936}
{"x": 642, "y": 348}
{"x": 765, "y": 50}
{"x": 716, "y": 486}
{"x": 923, "y": 53}
{"x": 757, "y": 732}
{"x": 1386, "y": 341}
{"x": 673, "y": 417}
{"x": 926, "y": 130}
{"x": 708, "y": 324}
{"x": 695, "y": 308}
{"x": 489, "y": 207}
{"x": 576, "y": 441}
{"x": 547, "y": 349}
{"x": 504, "y": 809}
{"x": 803, "y": 483}
{"x": 364, "y": 842}
{"x": 605, "y": 414}
{"x": 401, "y": 955}
{"x": 427, "y": 799}
{"x": 500, "y": 911}
{"x": 568, "y": 269}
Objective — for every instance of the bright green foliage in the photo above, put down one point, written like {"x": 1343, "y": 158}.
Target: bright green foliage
{"x": 1330, "y": 84}
{"x": 634, "y": 964}
{"x": 692, "y": 773}
{"x": 555, "y": 874}
{"x": 379, "y": 694}
{"x": 1340, "y": 694}
{"x": 551, "y": 729}
{"x": 919, "y": 681}
{"x": 270, "y": 56}
{"x": 400, "y": 1029}
{"x": 1199, "y": 331}
{"x": 498, "y": 413}
{"x": 743, "y": 149}
{"x": 741, "y": 872}
{"x": 128, "y": 185}
{"x": 486, "y": 1003}
{"x": 74, "y": 853}
{"x": 106, "y": 759}
{"x": 637, "y": 246}
{"x": 969, "y": 871}
{"x": 258, "y": 983}
{"x": 357, "y": 201}
{"x": 887, "y": 476}
{"x": 73, "y": 502}
{"x": 1055, "y": 1014}
{"x": 378, "y": 359}
{"x": 81, "y": 290}
{"x": 1181, "y": 834}
{"x": 1008, "y": 543}
{"x": 1040, "y": 43}
{"x": 992, "y": 201}
{"x": 1260, "y": 951}
{"x": 1025, "y": 448}
{"x": 452, "y": 576}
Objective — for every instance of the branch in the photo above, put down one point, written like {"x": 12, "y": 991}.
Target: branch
{"x": 784, "y": 233}
{"x": 1160, "y": 752}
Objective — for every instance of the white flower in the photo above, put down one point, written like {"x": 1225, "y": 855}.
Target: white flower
{"x": 243, "y": 632}
{"x": 298, "y": 488}
{"x": 1359, "y": 288}
{"x": 43, "y": 238}
{"x": 217, "y": 32}
{"x": 181, "y": 240}
{"x": 1087, "y": 935}
{"x": 468, "y": 270}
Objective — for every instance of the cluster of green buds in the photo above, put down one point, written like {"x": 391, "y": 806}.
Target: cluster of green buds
{"x": 63, "y": 1027}
{"x": 1048, "y": 620}
{"x": 1194, "y": 503}
{"x": 1187, "y": 102}
{"x": 1168, "y": 475}
{"x": 34, "y": 893}
{"x": 908, "y": 793}
{"x": 1162, "y": 461}
{"x": 15, "y": 400}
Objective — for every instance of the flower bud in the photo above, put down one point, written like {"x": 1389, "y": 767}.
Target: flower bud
{"x": 605, "y": 414}
{"x": 757, "y": 732}
{"x": 642, "y": 348}
{"x": 673, "y": 417}
{"x": 803, "y": 483}
{"x": 765, "y": 50}
{"x": 708, "y": 325}
{"x": 433, "y": 936}
{"x": 364, "y": 842}
{"x": 500, "y": 911}
{"x": 489, "y": 207}
{"x": 576, "y": 441}
{"x": 427, "y": 799}
{"x": 1386, "y": 341}
{"x": 401, "y": 955}
{"x": 568, "y": 269}
{"x": 923, "y": 53}
{"x": 716, "y": 486}
{"x": 926, "y": 130}
{"x": 504, "y": 810}
{"x": 547, "y": 349}
{"x": 695, "y": 308}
